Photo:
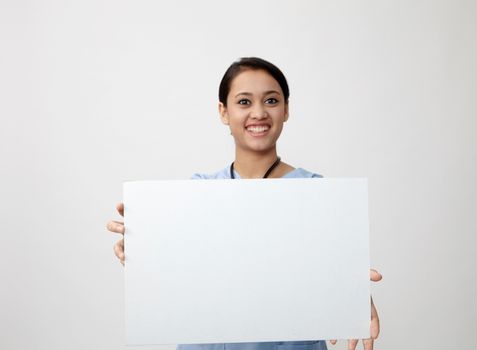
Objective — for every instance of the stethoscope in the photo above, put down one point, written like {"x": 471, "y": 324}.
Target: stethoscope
{"x": 274, "y": 165}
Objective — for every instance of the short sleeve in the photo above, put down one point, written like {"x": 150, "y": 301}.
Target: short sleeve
{"x": 197, "y": 176}
{"x": 318, "y": 176}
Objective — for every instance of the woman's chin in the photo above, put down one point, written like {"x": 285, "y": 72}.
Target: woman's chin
{"x": 261, "y": 147}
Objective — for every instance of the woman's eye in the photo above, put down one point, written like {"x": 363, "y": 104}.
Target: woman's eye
{"x": 244, "y": 102}
{"x": 271, "y": 100}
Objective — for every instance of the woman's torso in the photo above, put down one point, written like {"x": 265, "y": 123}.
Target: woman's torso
{"x": 278, "y": 345}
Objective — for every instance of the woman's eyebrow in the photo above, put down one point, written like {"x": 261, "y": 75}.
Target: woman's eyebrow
{"x": 250, "y": 94}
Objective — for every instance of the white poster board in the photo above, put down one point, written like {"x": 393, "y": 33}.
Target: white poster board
{"x": 229, "y": 261}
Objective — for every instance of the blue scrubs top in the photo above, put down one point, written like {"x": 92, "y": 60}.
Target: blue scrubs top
{"x": 278, "y": 345}
{"x": 225, "y": 174}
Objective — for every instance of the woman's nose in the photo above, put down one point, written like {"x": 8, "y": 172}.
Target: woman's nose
{"x": 259, "y": 112}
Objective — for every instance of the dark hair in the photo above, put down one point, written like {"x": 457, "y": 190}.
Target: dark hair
{"x": 253, "y": 63}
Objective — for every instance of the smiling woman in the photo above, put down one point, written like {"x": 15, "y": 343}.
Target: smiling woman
{"x": 253, "y": 102}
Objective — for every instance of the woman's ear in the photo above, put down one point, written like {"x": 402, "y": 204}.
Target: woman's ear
{"x": 224, "y": 115}
{"x": 286, "y": 112}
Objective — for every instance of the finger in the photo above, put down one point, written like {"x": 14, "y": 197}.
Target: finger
{"x": 120, "y": 208}
{"x": 374, "y": 275}
{"x": 333, "y": 341}
{"x": 352, "y": 344}
{"x": 374, "y": 321}
{"x": 368, "y": 344}
{"x": 119, "y": 249}
{"x": 115, "y": 226}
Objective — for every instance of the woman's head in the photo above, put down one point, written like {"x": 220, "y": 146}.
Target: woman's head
{"x": 251, "y": 63}
{"x": 253, "y": 102}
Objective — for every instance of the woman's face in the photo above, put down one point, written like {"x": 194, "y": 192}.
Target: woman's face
{"x": 256, "y": 110}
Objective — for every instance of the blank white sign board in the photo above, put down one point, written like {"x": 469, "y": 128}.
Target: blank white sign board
{"x": 230, "y": 261}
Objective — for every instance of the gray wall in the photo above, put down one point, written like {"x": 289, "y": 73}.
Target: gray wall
{"x": 97, "y": 92}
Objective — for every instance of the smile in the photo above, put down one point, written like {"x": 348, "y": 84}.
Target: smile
{"x": 258, "y": 129}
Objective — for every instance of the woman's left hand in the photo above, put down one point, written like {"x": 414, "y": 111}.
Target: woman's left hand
{"x": 375, "y": 276}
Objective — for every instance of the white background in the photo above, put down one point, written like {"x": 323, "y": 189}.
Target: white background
{"x": 93, "y": 93}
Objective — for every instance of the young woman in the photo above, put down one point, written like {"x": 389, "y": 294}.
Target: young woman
{"x": 253, "y": 102}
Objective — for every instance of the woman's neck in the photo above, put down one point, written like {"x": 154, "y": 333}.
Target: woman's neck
{"x": 253, "y": 165}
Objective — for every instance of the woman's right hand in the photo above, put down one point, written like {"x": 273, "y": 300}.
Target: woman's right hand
{"x": 118, "y": 227}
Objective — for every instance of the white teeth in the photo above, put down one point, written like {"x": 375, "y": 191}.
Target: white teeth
{"x": 258, "y": 129}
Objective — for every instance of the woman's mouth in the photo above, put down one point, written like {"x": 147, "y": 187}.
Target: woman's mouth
{"x": 257, "y": 130}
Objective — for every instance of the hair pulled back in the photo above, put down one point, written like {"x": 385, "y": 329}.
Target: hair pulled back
{"x": 253, "y": 63}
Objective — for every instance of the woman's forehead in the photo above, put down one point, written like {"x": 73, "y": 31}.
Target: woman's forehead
{"x": 254, "y": 81}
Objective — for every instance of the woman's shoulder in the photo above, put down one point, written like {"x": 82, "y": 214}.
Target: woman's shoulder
{"x": 301, "y": 173}
{"x": 221, "y": 174}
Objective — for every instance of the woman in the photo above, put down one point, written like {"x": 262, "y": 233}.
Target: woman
{"x": 253, "y": 102}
